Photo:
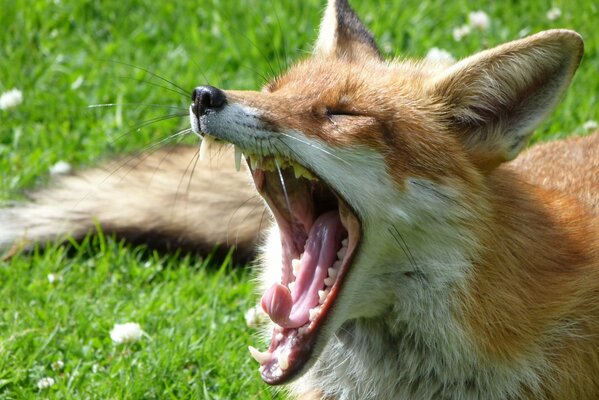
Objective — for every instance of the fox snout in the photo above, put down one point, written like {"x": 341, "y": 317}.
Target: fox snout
{"x": 204, "y": 99}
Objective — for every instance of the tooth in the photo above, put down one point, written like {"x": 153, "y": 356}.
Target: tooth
{"x": 283, "y": 360}
{"x": 238, "y": 156}
{"x": 254, "y": 162}
{"x": 267, "y": 165}
{"x": 313, "y": 313}
{"x": 329, "y": 281}
{"x": 322, "y": 295}
{"x": 279, "y": 337}
{"x": 297, "y": 265}
{"x": 302, "y": 330}
{"x": 205, "y": 146}
{"x": 341, "y": 253}
{"x": 344, "y": 242}
{"x": 260, "y": 356}
{"x": 333, "y": 272}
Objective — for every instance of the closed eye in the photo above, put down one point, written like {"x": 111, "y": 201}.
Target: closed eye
{"x": 340, "y": 111}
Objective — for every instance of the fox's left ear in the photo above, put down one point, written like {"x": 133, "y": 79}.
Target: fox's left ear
{"x": 343, "y": 35}
{"x": 495, "y": 99}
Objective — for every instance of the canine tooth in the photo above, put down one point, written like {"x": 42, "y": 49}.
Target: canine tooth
{"x": 259, "y": 356}
{"x": 313, "y": 313}
{"x": 341, "y": 253}
{"x": 283, "y": 360}
{"x": 329, "y": 281}
{"x": 333, "y": 272}
{"x": 205, "y": 146}
{"x": 238, "y": 156}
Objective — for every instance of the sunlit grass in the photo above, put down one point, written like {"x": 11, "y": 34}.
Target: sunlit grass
{"x": 67, "y": 55}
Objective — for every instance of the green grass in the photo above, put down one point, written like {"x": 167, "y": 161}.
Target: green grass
{"x": 65, "y": 55}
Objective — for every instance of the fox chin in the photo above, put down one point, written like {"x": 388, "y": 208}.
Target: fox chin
{"x": 414, "y": 253}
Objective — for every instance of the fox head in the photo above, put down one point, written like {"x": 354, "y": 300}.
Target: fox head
{"x": 375, "y": 171}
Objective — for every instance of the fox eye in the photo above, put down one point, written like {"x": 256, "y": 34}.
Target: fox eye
{"x": 331, "y": 111}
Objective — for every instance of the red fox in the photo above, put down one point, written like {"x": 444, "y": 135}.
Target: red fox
{"x": 410, "y": 257}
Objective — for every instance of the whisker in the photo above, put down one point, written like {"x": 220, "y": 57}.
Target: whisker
{"x": 285, "y": 60}
{"x": 179, "y": 92}
{"x": 283, "y": 185}
{"x": 272, "y": 71}
{"x": 404, "y": 246}
{"x": 192, "y": 161}
{"x": 230, "y": 220}
{"x": 264, "y": 211}
{"x": 193, "y": 169}
{"x": 264, "y": 78}
{"x": 147, "y": 123}
{"x": 150, "y": 149}
{"x": 168, "y": 106}
{"x": 202, "y": 72}
{"x": 315, "y": 147}
{"x": 149, "y": 72}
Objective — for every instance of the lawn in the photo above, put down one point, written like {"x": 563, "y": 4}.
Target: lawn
{"x": 58, "y": 305}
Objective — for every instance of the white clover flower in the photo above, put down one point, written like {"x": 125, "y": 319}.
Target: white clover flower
{"x": 255, "y": 317}
{"x": 126, "y": 333}
{"x": 77, "y": 83}
{"x": 436, "y": 54}
{"x": 590, "y": 125}
{"x": 479, "y": 20}
{"x": 554, "y": 14}
{"x": 57, "y": 365}
{"x": 52, "y": 277}
{"x": 11, "y": 99}
{"x": 524, "y": 32}
{"x": 60, "y": 168}
{"x": 45, "y": 383}
{"x": 460, "y": 32}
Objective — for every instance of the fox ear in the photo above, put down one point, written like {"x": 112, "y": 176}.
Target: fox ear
{"x": 495, "y": 99}
{"x": 343, "y": 35}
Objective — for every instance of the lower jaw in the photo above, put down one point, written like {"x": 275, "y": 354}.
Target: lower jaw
{"x": 292, "y": 350}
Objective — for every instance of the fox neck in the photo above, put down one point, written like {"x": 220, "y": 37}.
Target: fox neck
{"x": 462, "y": 309}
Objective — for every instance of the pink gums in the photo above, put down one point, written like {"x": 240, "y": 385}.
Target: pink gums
{"x": 291, "y": 309}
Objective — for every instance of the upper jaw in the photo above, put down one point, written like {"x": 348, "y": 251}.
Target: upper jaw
{"x": 320, "y": 236}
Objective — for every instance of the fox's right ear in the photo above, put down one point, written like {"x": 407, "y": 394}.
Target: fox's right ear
{"x": 343, "y": 35}
{"x": 495, "y": 99}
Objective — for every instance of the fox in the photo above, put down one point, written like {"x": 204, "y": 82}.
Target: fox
{"x": 414, "y": 253}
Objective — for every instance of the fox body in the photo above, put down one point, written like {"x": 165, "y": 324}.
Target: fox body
{"x": 410, "y": 257}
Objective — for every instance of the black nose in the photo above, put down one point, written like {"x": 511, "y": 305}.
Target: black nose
{"x": 207, "y": 98}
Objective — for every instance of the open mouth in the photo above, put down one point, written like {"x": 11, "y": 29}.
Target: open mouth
{"x": 319, "y": 236}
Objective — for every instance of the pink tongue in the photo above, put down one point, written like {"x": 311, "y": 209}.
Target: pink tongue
{"x": 291, "y": 310}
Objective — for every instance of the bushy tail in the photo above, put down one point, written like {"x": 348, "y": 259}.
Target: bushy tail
{"x": 165, "y": 199}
